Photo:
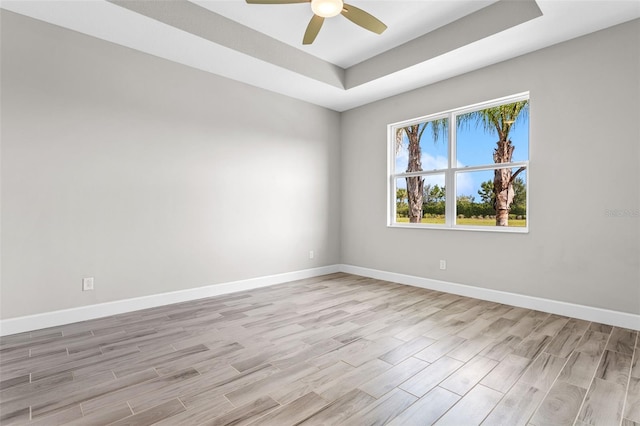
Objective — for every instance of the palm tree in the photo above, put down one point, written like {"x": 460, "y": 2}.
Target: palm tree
{"x": 415, "y": 184}
{"x": 500, "y": 119}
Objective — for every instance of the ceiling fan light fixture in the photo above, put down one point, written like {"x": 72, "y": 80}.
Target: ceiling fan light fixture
{"x": 327, "y": 8}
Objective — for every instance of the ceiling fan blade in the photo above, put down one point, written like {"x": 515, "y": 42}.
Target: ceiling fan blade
{"x": 312, "y": 29}
{"x": 276, "y": 1}
{"x": 364, "y": 19}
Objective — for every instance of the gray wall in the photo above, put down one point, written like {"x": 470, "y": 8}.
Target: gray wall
{"x": 151, "y": 176}
{"x": 154, "y": 177}
{"x": 585, "y": 159}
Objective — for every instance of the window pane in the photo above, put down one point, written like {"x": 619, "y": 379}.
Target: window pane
{"x": 476, "y": 198}
{"x": 477, "y": 135}
{"x": 422, "y": 146}
{"x": 429, "y": 203}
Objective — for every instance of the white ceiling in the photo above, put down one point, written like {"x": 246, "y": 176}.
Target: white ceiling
{"x": 347, "y": 66}
{"x": 340, "y": 41}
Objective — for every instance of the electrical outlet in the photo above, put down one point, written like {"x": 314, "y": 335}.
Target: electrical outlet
{"x": 311, "y": 254}
{"x": 443, "y": 264}
{"x": 87, "y": 284}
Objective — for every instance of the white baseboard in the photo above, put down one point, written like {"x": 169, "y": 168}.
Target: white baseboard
{"x": 604, "y": 316}
{"x": 83, "y": 313}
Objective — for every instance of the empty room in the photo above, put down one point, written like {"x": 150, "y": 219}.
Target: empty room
{"x": 311, "y": 212}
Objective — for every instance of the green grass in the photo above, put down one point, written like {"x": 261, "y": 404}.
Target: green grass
{"x": 466, "y": 221}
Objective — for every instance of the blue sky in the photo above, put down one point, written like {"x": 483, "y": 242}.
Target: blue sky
{"x": 475, "y": 147}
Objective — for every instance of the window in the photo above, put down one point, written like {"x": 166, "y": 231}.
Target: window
{"x": 462, "y": 169}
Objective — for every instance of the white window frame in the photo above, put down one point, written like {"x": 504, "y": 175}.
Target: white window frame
{"x": 450, "y": 172}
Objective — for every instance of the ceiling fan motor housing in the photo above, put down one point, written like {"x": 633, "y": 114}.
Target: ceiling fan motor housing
{"x": 327, "y": 8}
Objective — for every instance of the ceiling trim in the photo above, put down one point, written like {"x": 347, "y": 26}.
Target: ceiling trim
{"x": 189, "y": 34}
{"x": 197, "y": 20}
{"x": 490, "y": 20}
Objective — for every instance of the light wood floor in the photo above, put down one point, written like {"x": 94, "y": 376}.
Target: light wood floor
{"x": 334, "y": 350}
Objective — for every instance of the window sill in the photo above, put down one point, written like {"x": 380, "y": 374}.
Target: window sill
{"x": 497, "y": 229}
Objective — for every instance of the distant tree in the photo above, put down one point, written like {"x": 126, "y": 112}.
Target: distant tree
{"x": 402, "y": 209}
{"x": 469, "y": 199}
{"x": 401, "y": 195}
{"x": 437, "y": 194}
{"x": 520, "y": 198}
{"x": 500, "y": 120}
{"x": 486, "y": 192}
{"x": 426, "y": 194}
{"x": 433, "y": 199}
{"x": 465, "y": 205}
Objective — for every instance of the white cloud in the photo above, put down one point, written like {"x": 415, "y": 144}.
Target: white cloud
{"x": 466, "y": 185}
{"x": 434, "y": 163}
{"x": 464, "y": 182}
{"x": 429, "y": 162}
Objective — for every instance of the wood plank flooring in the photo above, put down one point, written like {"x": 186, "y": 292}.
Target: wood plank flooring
{"x": 332, "y": 350}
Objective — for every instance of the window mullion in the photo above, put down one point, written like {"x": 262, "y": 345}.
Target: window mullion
{"x": 450, "y": 191}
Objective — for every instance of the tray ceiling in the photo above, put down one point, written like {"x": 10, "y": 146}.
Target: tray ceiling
{"x": 347, "y": 66}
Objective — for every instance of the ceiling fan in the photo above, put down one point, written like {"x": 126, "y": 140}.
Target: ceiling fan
{"x": 328, "y": 8}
